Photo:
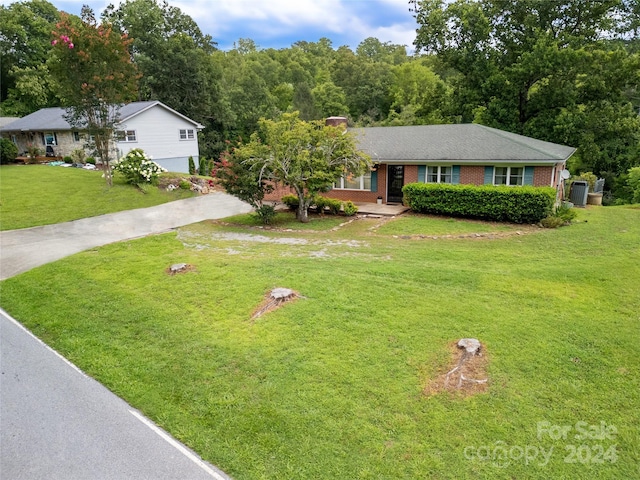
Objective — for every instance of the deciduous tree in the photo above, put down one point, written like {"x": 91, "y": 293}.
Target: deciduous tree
{"x": 25, "y": 35}
{"x": 94, "y": 75}
{"x": 542, "y": 69}
{"x": 306, "y": 156}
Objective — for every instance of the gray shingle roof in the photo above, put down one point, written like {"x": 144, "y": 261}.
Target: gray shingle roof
{"x": 465, "y": 143}
{"x": 50, "y": 119}
{"x": 4, "y": 121}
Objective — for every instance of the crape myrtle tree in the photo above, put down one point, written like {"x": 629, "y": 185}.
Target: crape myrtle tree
{"x": 94, "y": 76}
{"x": 244, "y": 183}
{"x": 308, "y": 157}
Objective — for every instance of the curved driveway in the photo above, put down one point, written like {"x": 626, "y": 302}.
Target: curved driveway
{"x": 27, "y": 248}
{"x": 57, "y": 423}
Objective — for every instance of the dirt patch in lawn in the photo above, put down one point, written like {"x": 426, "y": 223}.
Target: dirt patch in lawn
{"x": 465, "y": 374}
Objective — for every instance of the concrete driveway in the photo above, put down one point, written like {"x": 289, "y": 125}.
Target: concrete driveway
{"x": 57, "y": 423}
{"x": 24, "y": 249}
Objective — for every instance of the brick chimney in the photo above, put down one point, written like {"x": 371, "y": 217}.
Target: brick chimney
{"x": 336, "y": 122}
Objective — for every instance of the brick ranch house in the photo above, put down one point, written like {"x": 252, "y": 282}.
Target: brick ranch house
{"x": 456, "y": 154}
{"x": 169, "y": 137}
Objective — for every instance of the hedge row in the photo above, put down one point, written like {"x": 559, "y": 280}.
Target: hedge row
{"x": 504, "y": 204}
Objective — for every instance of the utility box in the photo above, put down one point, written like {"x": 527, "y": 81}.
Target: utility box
{"x": 579, "y": 193}
{"x": 599, "y": 186}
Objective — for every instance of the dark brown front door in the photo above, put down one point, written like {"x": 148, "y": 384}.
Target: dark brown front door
{"x": 395, "y": 182}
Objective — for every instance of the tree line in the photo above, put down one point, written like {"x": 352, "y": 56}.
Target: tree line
{"x": 561, "y": 71}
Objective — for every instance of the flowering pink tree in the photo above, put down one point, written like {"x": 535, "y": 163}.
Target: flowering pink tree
{"x": 94, "y": 74}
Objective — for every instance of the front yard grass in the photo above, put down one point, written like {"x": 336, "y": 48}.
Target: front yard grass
{"x": 331, "y": 385}
{"x": 33, "y": 195}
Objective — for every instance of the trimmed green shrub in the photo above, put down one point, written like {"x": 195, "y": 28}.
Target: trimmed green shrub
{"x": 90, "y": 160}
{"x": 633, "y": 182}
{"x": 565, "y": 212}
{"x": 205, "y": 166}
{"x": 349, "y": 208}
{"x": 291, "y": 201}
{"x": 77, "y": 156}
{"x": 265, "y": 213}
{"x": 334, "y": 206}
{"x": 67, "y": 159}
{"x": 504, "y": 204}
{"x": 588, "y": 177}
{"x": 8, "y": 151}
{"x": 137, "y": 168}
{"x": 185, "y": 184}
{"x": 562, "y": 215}
{"x": 192, "y": 166}
{"x": 552, "y": 222}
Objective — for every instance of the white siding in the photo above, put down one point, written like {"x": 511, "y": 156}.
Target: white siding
{"x": 158, "y": 134}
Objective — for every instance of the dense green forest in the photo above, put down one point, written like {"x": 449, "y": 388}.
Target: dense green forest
{"x": 562, "y": 71}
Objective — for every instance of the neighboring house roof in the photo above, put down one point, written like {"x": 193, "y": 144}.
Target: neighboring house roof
{"x": 132, "y": 109}
{"x": 464, "y": 143}
{"x": 49, "y": 119}
{"x": 4, "y": 121}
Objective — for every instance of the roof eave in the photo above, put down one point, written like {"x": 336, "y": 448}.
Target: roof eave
{"x": 160, "y": 104}
{"x": 488, "y": 161}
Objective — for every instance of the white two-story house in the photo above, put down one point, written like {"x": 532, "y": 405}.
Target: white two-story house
{"x": 167, "y": 136}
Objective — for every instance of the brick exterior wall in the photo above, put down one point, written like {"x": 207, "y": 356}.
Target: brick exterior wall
{"x": 469, "y": 175}
{"x": 542, "y": 176}
{"x": 361, "y": 196}
{"x": 410, "y": 174}
{"x": 364, "y": 196}
{"x": 472, "y": 175}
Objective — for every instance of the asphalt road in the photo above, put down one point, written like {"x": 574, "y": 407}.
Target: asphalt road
{"x": 58, "y": 423}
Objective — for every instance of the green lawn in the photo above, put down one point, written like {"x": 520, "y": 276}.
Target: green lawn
{"x": 331, "y": 385}
{"x": 32, "y": 195}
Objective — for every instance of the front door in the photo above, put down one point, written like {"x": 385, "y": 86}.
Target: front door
{"x": 395, "y": 182}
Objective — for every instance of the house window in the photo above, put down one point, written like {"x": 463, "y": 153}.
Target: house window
{"x": 126, "y": 136}
{"x": 49, "y": 138}
{"x": 14, "y": 139}
{"x": 76, "y": 136}
{"x": 508, "y": 176}
{"x": 354, "y": 183}
{"x": 187, "y": 134}
{"x": 439, "y": 174}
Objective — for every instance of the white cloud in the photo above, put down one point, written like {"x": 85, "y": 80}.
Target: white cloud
{"x": 282, "y": 22}
{"x": 270, "y": 15}
{"x": 350, "y": 20}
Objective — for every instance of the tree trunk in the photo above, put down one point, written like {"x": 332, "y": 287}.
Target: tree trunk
{"x": 106, "y": 168}
{"x": 102, "y": 141}
{"x": 302, "y": 214}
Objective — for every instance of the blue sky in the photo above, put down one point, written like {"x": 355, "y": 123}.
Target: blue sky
{"x": 279, "y": 23}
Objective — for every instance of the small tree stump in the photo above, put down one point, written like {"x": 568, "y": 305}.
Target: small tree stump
{"x": 467, "y": 363}
{"x": 274, "y": 299}
{"x": 179, "y": 268}
{"x": 471, "y": 345}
